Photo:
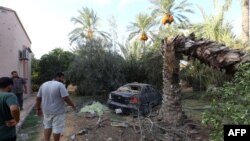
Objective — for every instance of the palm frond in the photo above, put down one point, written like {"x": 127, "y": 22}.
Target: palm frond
{"x": 143, "y": 23}
{"x": 133, "y": 34}
{"x": 170, "y": 7}
{"x": 88, "y": 25}
{"x": 205, "y": 17}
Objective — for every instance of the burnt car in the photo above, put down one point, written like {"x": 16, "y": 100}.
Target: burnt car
{"x": 134, "y": 98}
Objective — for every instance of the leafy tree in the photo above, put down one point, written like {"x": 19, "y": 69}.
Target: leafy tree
{"x": 54, "y": 61}
{"x": 35, "y": 73}
{"x": 153, "y": 74}
{"x": 138, "y": 67}
{"x": 95, "y": 70}
{"x": 87, "y": 29}
{"x": 133, "y": 70}
{"x": 230, "y": 104}
{"x": 201, "y": 76}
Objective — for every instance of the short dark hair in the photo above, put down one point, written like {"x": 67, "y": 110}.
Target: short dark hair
{"x": 5, "y": 81}
{"x": 13, "y": 72}
{"x": 59, "y": 74}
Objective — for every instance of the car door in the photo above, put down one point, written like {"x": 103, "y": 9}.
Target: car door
{"x": 154, "y": 95}
{"x": 146, "y": 94}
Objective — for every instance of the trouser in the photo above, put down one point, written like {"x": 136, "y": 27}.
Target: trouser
{"x": 20, "y": 99}
{"x": 11, "y": 139}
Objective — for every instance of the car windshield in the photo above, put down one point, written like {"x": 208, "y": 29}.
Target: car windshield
{"x": 130, "y": 88}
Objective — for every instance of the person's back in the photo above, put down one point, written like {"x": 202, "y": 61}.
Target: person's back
{"x": 52, "y": 93}
{"x": 50, "y": 103}
{"x": 5, "y": 115}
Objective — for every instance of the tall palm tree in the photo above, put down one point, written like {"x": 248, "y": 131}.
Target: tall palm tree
{"x": 87, "y": 28}
{"x": 245, "y": 20}
{"x": 170, "y": 11}
{"x": 142, "y": 28}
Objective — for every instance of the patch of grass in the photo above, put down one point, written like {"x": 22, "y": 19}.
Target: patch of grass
{"x": 30, "y": 129}
{"x": 193, "y": 105}
{"x": 193, "y": 95}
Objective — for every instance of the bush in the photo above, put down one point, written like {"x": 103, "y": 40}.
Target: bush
{"x": 231, "y": 103}
{"x": 201, "y": 76}
{"x": 96, "y": 70}
{"x": 133, "y": 70}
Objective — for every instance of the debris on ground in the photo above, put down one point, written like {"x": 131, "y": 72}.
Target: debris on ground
{"x": 73, "y": 137}
{"x": 94, "y": 108}
{"x": 82, "y": 132}
{"x": 108, "y": 126}
{"x": 119, "y": 124}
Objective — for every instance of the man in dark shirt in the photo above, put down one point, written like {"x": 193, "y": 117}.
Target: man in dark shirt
{"x": 9, "y": 111}
{"x": 18, "y": 88}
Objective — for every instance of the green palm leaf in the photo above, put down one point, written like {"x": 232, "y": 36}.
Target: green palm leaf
{"x": 87, "y": 29}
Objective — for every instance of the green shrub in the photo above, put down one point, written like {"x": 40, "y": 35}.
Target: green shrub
{"x": 96, "y": 70}
{"x": 200, "y": 76}
{"x": 231, "y": 103}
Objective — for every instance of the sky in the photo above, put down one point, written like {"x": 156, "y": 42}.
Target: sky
{"x": 48, "y": 22}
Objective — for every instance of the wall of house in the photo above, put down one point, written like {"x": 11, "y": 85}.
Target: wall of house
{"x": 12, "y": 40}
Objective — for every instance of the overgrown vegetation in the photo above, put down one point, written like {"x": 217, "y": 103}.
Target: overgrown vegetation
{"x": 201, "y": 77}
{"x": 230, "y": 104}
{"x": 54, "y": 61}
{"x": 96, "y": 70}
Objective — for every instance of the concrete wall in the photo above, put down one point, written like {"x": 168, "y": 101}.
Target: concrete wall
{"x": 13, "y": 39}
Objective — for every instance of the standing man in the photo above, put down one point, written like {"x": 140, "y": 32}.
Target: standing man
{"x": 50, "y": 102}
{"x": 19, "y": 87}
{"x": 9, "y": 111}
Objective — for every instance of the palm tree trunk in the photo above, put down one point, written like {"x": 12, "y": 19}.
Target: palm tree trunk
{"x": 245, "y": 20}
{"x": 211, "y": 53}
{"x": 171, "y": 107}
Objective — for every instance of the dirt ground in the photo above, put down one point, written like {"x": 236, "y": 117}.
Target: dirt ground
{"x": 112, "y": 127}
{"x": 82, "y": 127}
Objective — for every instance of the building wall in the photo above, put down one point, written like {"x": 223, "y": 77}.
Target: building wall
{"x": 13, "y": 39}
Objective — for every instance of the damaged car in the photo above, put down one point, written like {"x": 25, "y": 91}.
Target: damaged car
{"x": 135, "y": 98}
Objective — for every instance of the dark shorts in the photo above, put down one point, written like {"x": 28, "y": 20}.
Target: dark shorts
{"x": 11, "y": 139}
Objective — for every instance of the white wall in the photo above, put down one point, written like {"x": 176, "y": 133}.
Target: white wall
{"x": 13, "y": 39}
